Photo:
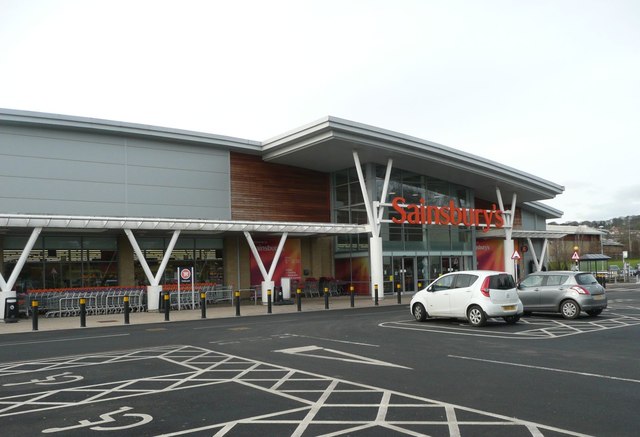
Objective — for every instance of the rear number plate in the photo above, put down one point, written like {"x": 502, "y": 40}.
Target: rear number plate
{"x": 598, "y": 297}
{"x": 509, "y": 308}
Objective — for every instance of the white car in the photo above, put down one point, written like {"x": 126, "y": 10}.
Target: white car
{"x": 474, "y": 295}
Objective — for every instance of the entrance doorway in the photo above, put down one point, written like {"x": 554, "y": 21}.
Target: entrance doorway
{"x": 413, "y": 273}
{"x": 404, "y": 277}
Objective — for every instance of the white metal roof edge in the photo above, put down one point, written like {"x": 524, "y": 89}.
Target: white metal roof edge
{"x": 522, "y": 233}
{"x": 419, "y": 147}
{"x": 542, "y": 209}
{"x": 169, "y": 224}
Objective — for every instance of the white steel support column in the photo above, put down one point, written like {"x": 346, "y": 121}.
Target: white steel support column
{"x": 508, "y": 231}
{"x": 538, "y": 263}
{"x": 153, "y": 290}
{"x": 6, "y": 288}
{"x": 8, "y": 285}
{"x": 267, "y": 277}
{"x": 374, "y": 215}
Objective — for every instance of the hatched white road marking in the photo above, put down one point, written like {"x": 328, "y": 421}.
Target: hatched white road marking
{"x": 313, "y": 399}
{"x": 336, "y": 355}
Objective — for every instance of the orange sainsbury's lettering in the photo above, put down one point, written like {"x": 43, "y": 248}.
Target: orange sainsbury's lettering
{"x": 423, "y": 214}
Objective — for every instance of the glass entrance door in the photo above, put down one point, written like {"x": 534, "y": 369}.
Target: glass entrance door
{"x": 404, "y": 277}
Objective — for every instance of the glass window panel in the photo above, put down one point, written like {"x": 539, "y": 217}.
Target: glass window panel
{"x": 343, "y": 243}
{"x": 363, "y": 241}
{"x": 460, "y": 239}
{"x": 437, "y": 192}
{"x": 461, "y": 196}
{"x": 209, "y": 243}
{"x": 413, "y": 187}
{"x": 395, "y": 232}
{"x": 439, "y": 238}
{"x": 395, "y": 189}
{"x": 342, "y": 196}
{"x": 72, "y": 242}
{"x": 106, "y": 243}
{"x": 413, "y": 232}
{"x": 353, "y": 174}
{"x": 182, "y": 243}
{"x": 355, "y": 194}
{"x": 19, "y": 242}
{"x": 151, "y": 243}
{"x": 341, "y": 177}
{"x": 359, "y": 216}
{"x": 342, "y": 216}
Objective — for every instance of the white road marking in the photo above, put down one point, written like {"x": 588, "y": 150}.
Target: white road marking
{"x": 334, "y": 340}
{"x": 342, "y": 356}
{"x": 62, "y": 339}
{"x": 263, "y": 377}
{"x": 551, "y": 369}
{"x": 538, "y": 329}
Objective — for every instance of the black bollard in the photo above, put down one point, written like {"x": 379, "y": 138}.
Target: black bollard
{"x": 167, "y": 305}
{"x": 399, "y": 293}
{"x": 34, "y": 314}
{"x": 126, "y": 310}
{"x": 269, "y": 301}
{"x": 326, "y": 298}
{"x": 237, "y": 297}
{"x": 299, "y": 299}
{"x": 352, "y": 296}
{"x": 83, "y": 312}
{"x": 375, "y": 294}
{"x": 203, "y": 305}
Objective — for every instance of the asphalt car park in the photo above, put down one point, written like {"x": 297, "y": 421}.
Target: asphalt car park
{"x": 353, "y": 372}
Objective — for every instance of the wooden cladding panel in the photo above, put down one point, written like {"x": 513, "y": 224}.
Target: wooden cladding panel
{"x": 264, "y": 191}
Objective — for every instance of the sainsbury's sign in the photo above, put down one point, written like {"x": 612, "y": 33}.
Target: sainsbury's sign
{"x": 423, "y": 214}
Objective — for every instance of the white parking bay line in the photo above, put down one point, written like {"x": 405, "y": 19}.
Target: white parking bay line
{"x": 551, "y": 369}
{"x": 62, "y": 339}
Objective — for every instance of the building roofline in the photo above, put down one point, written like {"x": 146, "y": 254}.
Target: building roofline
{"x": 393, "y": 142}
{"x": 540, "y": 208}
{"x": 58, "y": 121}
{"x": 307, "y": 145}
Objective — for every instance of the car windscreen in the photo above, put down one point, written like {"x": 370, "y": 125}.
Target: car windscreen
{"x": 501, "y": 282}
{"x": 585, "y": 279}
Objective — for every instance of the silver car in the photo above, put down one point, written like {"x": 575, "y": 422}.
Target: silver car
{"x": 564, "y": 292}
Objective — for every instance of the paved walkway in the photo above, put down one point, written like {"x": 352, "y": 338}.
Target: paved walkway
{"x": 217, "y": 311}
{"x": 222, "y": 310}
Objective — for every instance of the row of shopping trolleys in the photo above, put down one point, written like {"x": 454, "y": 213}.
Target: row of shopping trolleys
{"x": 112, "y": 300}
{"x": 67, "y": 303}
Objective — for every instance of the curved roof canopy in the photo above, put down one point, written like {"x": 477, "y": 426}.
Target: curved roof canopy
{"x": 327, "y": 145}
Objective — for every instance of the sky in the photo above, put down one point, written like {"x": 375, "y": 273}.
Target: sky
{"x": 550, "y": 88}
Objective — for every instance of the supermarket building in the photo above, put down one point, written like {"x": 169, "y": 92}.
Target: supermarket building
{"x": 88, "y": 202}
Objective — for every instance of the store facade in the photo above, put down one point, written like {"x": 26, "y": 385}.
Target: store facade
{"x": 123, "y": 204}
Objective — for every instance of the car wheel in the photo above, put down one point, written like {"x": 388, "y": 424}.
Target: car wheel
{"x": 594, "y": 313}
{"x": 419, "y": 312}
{"x": 476, "y": 316}
{"x": 570, "y": 309}
{"x": 511, "y": 320}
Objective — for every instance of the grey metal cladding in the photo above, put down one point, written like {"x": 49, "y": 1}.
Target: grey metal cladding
{"x": 46, "y": 171}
